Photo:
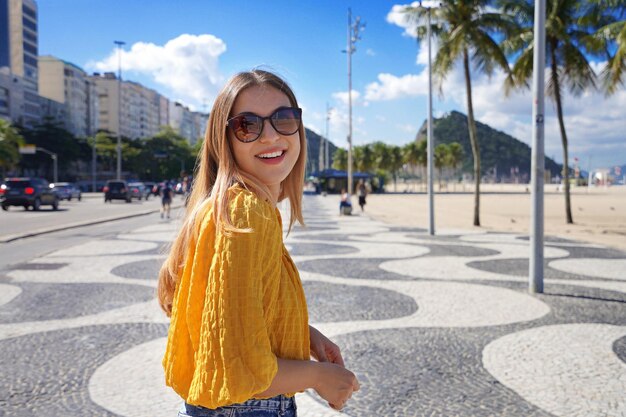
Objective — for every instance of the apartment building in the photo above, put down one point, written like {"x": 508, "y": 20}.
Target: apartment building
{"x": 141, "y": 109}
{"x": 11, "y": 96}
{"x": 187, "y": 123}
{"x": 18, "y": 53}
{"x": 69, "y": 85}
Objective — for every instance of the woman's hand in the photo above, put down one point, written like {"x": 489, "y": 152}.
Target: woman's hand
{"x": 322, "y": 349}
{"x": 335, "y": 384}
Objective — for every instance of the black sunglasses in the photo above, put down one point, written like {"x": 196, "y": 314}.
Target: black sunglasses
{"x": 247, "y": 127}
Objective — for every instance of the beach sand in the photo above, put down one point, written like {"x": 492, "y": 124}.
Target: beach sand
{"x": 599, "y": 213}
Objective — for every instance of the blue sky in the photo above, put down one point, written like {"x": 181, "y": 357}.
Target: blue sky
{"x": 187, "y": 49}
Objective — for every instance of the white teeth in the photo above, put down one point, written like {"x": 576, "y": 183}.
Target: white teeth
{"x": 270, "y": 155}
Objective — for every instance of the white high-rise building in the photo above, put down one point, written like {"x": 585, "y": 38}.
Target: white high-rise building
{"x": 18, "y": 53}
{"x": 68, "y": 84}
{"x": 187, "y": 123}
{"x": 141, "y": 112}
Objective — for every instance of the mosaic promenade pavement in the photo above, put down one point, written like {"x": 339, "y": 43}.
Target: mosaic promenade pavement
{"x": 432, "y": 326}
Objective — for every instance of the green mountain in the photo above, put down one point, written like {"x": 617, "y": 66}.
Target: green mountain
{"x": 313, "y": 150}
{"x": 500, "y": 153}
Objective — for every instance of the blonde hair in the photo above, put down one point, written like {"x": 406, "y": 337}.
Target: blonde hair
{"x": 217, "y": 171}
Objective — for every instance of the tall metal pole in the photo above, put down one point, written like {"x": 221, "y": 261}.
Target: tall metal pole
{"x": 326, "y": 146}
{"x": 538, "y": 157}
{"x": 55, "y": 167}
{"x": 54, "y": 156}
{"x": 353, "y": 35}
{"x": 93, "y": 165}
{"x": 320, "y": 158}
{"x": 119, "y": 108}
{"x": 429, "y": 139}
{"x": 350, "y": 52}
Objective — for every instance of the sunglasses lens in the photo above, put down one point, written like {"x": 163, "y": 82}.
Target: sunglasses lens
{"x": 246, "y": 127}
{"x": 286, "y": 121}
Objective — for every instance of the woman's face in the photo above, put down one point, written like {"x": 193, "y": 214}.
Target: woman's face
{"x": 272, "y": 156}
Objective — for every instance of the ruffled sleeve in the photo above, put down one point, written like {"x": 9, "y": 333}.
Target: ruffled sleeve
{"x": 233, "y": 355}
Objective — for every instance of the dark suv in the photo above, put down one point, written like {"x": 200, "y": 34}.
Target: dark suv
{"x": 27, "y": 192}
{"x": 117, "y": 190}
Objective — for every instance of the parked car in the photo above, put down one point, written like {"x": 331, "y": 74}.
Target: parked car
{"x": 117, "y": 190}
{"x": 27, "y": 192}
{"x": 156, "y": 189}
{"x": 149, "y": 188}
{"x": 138, "y": 190}
{"x": 66, "y": 191}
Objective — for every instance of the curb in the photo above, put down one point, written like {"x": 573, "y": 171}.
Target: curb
{"x": 17, "y": 236}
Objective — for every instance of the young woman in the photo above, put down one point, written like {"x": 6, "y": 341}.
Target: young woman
{"x": 239, "y": 343}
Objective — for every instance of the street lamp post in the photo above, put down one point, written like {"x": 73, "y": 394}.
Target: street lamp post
{"x": 326, "y": 145}
{"x": 537, "y": 161}
{"x": 119, "y": 107}
{"x": 429, "y": 125}
{"x": 354, "y": 30}
{"x": 55, "y": 170}
{"x": 94, "y": 159}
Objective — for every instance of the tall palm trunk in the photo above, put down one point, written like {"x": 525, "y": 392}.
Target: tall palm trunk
{"x": 473, "y": 138}
{"x": 559, "y": 112}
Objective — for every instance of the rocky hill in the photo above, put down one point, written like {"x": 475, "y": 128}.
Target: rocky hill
{"x": 500, "y": 153}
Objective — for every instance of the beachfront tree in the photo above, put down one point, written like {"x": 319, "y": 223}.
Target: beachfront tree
{"x": 363, "y": 158}
{"x": 340, "y": 159}
{"x": 411, "y": 154}
{"x": 455, "y": 156}
{"x": 396, "y": 161}
{"x": 465, "y": 31}
{"x": 570, "y": 25}
{"x": 10, "y": 141}
{"x": 441, "y": 160}
{"x": 614, "y": 34}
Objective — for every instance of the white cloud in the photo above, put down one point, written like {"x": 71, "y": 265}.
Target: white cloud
{"x": 370, "y": 52}
{"x": 187, "y": 66}
{"x": 391, "y": 87}
{"x": 594, "y": 123}
{"x": 342, "y": 97}
{"x": 398, "y": 18}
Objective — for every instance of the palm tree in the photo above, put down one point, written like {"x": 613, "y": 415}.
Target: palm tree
{"x": 340, "y": 159}
{"x": 395, "y": 163}
{"x": 441, "y": 158}
{"x": 570, "y": 25}
{"x": 422, "y": 154}
{"x": 10, "y": 141}
{"x": 464, "y": 31}
{"x": 613, "y": 32}
{"x": 455, "y": 156}
{"x": 363, "y": 158}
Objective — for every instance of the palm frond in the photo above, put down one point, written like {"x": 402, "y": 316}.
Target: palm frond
{"x": 577, "y": 70}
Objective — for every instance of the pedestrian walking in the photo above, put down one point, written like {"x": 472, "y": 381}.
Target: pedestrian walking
{"x": 362, "y": 193}
{"x": 166, "y": 199}
{"x": 239, "y": 342}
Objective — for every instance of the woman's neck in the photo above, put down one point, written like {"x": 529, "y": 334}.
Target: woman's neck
{"x": 274, "y": 193}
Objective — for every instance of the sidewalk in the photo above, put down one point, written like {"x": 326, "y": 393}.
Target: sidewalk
{"x": 432, "y": 326}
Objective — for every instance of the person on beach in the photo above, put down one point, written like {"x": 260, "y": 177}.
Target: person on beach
{"x": 239, "y": 342}
{"x": 362, "y": 193}
{"x": 345, "y": 206}
{"x": 166, "y": 199}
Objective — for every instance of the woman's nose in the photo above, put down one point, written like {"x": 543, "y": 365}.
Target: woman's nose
{"x": 269, "y": 134}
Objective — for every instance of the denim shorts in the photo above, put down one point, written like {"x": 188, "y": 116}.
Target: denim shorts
{"x": 279, "y": 406}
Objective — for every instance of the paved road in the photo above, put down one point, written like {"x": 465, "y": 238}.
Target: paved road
{"x": 17, "y": 221}
{"x": 432, "y": 326}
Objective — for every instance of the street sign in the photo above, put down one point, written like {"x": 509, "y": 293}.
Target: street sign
{"x": 28, "y": 149}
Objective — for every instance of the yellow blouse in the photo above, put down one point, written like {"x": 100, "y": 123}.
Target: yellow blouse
{"x": 239, "y": 305}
